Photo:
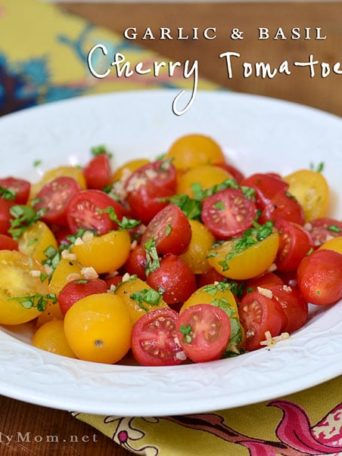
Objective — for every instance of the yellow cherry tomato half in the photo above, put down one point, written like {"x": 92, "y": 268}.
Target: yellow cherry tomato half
{"x": 65, "y": 272}
{"x": 19, "y": 278}
{"x": 61, "y": 171}
{"x": 105, "y": 253}
{"x": 206, "y": 176}
{"x": 130, "y": 291}
{"x": 195, "y": 255}
{"x": 128, "y": 168}
{"x": 190, "y": 151}
{"x": 98, "y": 328}
{"x": 50, "y": 337}
{"x": 35, "y": 240}
{"x": 311, "y": 190}
{"x": 247, "y": 264}
{"x": 219, "y": 294}
{"x": 333, "y": 244}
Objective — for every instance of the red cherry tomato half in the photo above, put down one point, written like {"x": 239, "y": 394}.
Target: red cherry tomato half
{"x": 295, "y": 243}
{"x": 170, "y": 229}
{"x": 136, "y": 263}
{"x": 174, "y": 278}
{"x": 54, "y": 199}
{"x": 203, "y": 331}
{"x": 78, "y": 289}
{"x": 283, "y": 206}
{"x": 266, "y": 185}
{"x": 264, "y": 281}
{"x": 233, "y": 171}
{"x": 148, "y": 186}
{"x": 228, "y": 213}
{"x": 21, "y": 188}
{"x": 98, "y": 172}
{"x": 155, "y": 341}
{"x": 293, "y": 304}
{"x": 259, "y": 314}
{"x": 209, "y": 277}
{"x": 5, "y": 216}
{"x": 87, "y": 210}
{"x": 7, "y": 243}
{"x": 320, "y": 277}
{"x": 323, "y": 229}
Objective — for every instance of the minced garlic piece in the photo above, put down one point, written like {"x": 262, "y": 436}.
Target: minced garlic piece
{"x": 66, "y": 255}
{"x": 134, "y": 244}
{"x": 48, "y": 269}
{"x": 287, "y": 288}
{"x": 126, "y": 277}
{"x": 35, "y": 273}
{"x": 78, "y": 241}
{"x": 265, "y": 292}
{"x": 88, "y": 236}
{"x": 272, "y": 268}
{"x": 271, "y": 341}
{"x": 89, "y": 273}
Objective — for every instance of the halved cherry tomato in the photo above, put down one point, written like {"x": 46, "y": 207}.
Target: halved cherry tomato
{"x": 233, "y": 171}
{"x": 209, "y": 277}
{"x": 259, "y": 314}
{"x": 5, "y": 216}
{"x": 195, "y": 256}
{"x": 21, "y": 188}
{"x": 174, "y": 279}
{"x": 266, "y": 185}
{"x": 228, "y": 213}
{"x": 170, "y": 229}
{"x": 87, "y": 210}
{"x": 283, "y": 206}
{"x": 323, "y": 229}
{"x": 320, "y": 277}
{"x": 193, "y": 150}
{"x": 78, "y": 289}
{"x": 155, "y": 341}
{"x": 136, "y": 263}
{"x": 311, "y": 190}
{"x": 54, "y": 199}
{"x": 265, "y": 281}
{"x": 148, "y": 186}
{"x": 204, "y": 332}
{"x": 7, "y": 243}
{"x": 294, "y": 244}
{"x": 293, "y": 304}
{"x": 98, "y": 173}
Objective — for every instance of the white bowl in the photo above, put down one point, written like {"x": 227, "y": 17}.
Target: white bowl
{"x": 257, "y": 134}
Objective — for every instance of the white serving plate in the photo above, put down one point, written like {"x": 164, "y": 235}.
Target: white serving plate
{"x": 257, "y": 134}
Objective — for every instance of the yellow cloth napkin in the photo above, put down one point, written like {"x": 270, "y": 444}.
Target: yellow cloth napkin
{"x": 42, "y": 59}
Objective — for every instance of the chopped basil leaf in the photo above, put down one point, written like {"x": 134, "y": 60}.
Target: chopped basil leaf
{"x": 125, "y": 223}
{"x": 219, "y": 205}
{"x": 23, "y": 218}
{"x": 152, "y": 259}
{"x": 37, "y": 301}
{"x": 318, "y": 168}
{"x": 168, "y": 229}
{"x": 334, "y": 229}
{"x": 148, "y": 296}
{"x": 191, "y": 208}
{"x": 37, "y": 163}
{"x": 7, "y": 193}
{"x": 100, "y": 150}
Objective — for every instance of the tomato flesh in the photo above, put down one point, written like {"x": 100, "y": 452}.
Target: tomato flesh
{"x": 283, "y": 207}
{"x": 204, "y": 332}
{"x": 170, "y": 229}
{"x": 320, "y": 277}
{"x": 295, "y": 243}
{"x": 54, "y": 199}
{"x": 155, "y": 341}
{"x": 98, "y": 172}
{"x": 78, "y": 289}
{"x": 259, "y": 314}
{"x": 323, "y": 229}
{"x": 228, "y": 213}
{"x": 87, "y": 210}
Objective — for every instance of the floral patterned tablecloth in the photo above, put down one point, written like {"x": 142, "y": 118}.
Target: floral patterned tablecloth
{"x": 42, "y": 59}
